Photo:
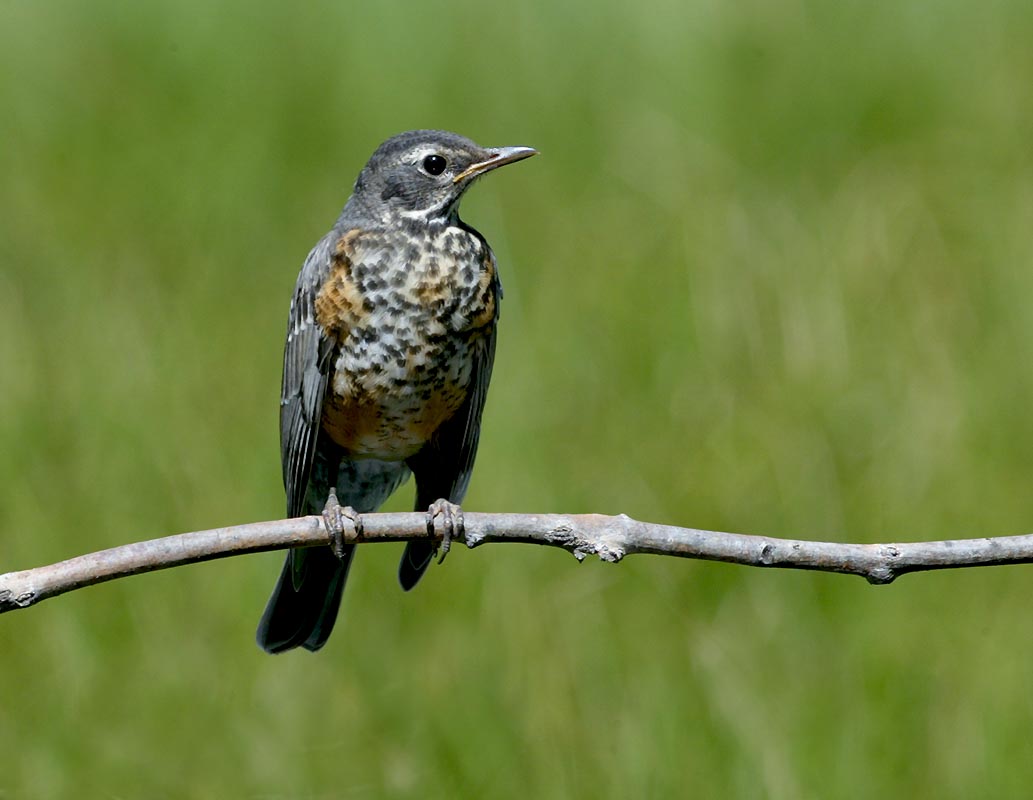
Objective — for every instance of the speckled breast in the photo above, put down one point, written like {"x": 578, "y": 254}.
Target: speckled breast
{"x": 406, "y": 309}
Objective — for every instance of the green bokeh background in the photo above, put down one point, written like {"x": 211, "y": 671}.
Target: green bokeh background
{"x": 771, "y": 274}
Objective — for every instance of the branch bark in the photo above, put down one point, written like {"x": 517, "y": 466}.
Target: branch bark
{"x": 609, "y": 538}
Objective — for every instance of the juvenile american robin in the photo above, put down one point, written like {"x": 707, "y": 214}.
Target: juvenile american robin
{"x": 390, "y": 343}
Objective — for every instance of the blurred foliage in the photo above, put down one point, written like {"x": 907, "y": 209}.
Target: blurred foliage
{"x": 771, "y": 274}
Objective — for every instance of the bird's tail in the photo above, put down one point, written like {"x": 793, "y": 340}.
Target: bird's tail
{"x": 304, "y": 604}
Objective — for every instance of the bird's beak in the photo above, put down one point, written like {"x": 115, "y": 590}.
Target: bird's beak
{"x": 497, "y": 157}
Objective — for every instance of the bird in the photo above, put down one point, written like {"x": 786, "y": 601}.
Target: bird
{"x": 389, "y": 352}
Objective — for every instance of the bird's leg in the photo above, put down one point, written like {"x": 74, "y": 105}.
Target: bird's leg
{"x": 451, "y": 523}
{"x": 334, "y": 516}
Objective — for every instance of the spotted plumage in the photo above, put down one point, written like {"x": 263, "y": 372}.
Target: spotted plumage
{"x": 390, "y": 344}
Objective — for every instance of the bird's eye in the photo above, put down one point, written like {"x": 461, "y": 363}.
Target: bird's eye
{"x": 434, "y": 164}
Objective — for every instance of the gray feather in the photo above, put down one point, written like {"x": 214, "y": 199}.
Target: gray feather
{"x": 306, "y": 369}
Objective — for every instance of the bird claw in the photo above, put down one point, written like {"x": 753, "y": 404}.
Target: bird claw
{"x": 452, "y": 525}
{"x": 334, "y": 516}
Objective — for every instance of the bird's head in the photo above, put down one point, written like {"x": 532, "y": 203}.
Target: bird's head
{"x": 421, "y": 175}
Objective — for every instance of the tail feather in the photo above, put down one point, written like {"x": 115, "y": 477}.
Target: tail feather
{"x": 415, "y": 560}
{"x": 303, "y": 607}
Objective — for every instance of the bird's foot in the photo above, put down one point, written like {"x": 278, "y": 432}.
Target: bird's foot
{"x": 451, "y": 521}
{"x": 334, "y": 518}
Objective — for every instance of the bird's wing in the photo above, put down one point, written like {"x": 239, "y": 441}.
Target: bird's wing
{"x": 307, "y": 362}
{"x": 304, "y": 603}
{"x": 459, "y": 443}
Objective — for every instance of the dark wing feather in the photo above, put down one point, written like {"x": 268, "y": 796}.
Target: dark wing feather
{"x": 466, "y": 435}
{"x": 304, "y": 602}
{"x": 307, "y": 361}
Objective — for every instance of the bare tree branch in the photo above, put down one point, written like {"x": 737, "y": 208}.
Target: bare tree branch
{"x": 609, "y": 538}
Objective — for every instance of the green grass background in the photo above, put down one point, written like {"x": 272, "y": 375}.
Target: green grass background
{"x": 771, "y": 274}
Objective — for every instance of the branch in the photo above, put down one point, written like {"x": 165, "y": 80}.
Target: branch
{"x": 609, "y": 538}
